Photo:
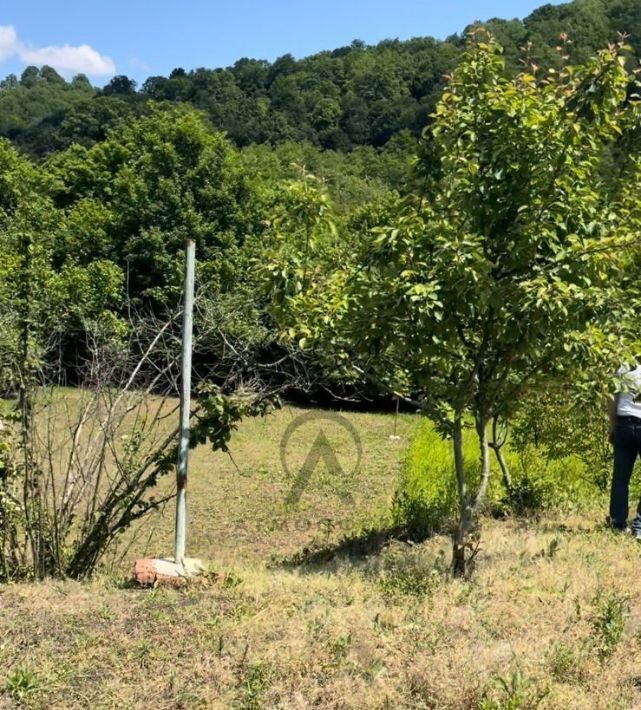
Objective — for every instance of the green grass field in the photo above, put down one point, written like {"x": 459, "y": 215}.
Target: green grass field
{"x": 550, "y": 619}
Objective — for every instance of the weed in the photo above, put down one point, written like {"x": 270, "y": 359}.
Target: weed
{"x": 408, "y": 572}
{"x": 255, "y": 681}
{"x": 374, "y": 668}
{"x": 105, "y": 612}
{"x": 608, "y": 622}
{"x": 339, "y": 648}
{"x": 186, "y": 698}
{"x": 550, "y": 551}
{"x": 566, "y": 664}
{"x": 529, "y": 495}
{"x": 315, "y": 627}
{"x": 425, "y": 500}
{"x": 142, "y": 652}
{"x": 515, "y": 692}
{"x": 21, "y": 683}
{"x": 232, "y": 580}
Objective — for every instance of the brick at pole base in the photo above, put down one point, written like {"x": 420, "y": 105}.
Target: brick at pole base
{"x": 149, "y": 572}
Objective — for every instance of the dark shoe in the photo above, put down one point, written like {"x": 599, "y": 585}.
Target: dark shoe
{"x": 616, "y": 528}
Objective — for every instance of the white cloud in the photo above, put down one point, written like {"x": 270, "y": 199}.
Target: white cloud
{"x": 67, "y": 59}
{"x": 8, "y": 42}
{"x": 83, "y": 59}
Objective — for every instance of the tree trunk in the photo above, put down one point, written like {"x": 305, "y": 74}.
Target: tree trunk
{"x": 497, "y": 446}
{"x": 459, "y": 540}
{"x": 468, "y": 507}
{"x": 484, "y": 451}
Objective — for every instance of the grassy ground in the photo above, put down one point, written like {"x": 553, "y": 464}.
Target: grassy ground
{"x": 550, "y": 619}
{"x": 238, "y": 503}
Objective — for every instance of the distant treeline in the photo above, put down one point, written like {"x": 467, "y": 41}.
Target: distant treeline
{"x": 352, "y": 96}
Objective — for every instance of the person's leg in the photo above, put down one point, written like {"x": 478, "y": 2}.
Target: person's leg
{"x": 635, "y": 526}
{"x": 625, "y": 454}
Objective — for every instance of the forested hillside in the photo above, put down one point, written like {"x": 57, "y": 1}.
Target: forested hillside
{"x": 351, "y": 96}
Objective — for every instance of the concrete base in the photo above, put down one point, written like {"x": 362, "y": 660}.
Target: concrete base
{"x": 149, "y": 572}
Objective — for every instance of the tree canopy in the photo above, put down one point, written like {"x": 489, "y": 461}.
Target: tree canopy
{"x": 339, "y": 99}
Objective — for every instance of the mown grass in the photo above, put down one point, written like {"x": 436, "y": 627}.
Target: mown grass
{"x": 238, "y": 503}
{"x": 550, "y": 619}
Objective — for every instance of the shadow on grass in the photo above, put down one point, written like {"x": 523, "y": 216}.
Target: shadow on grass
{"x": 350, "y": 548}
{"x": 570, "y": 529}
{"x": 126, "y": 583}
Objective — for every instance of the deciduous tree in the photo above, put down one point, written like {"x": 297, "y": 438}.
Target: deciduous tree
{"x": 501, "y": 270}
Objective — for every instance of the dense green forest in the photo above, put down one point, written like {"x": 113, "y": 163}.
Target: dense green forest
{"x": 351, "y": 116}
{"x": 339, "y": 99}
{"x": 125, "y": 173}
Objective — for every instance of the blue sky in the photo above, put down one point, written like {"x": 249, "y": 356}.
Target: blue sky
{"x": 144, "y": 37}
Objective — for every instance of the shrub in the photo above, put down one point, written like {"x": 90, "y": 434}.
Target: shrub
{"x": 541, "y": 482}
{"x": 425, "y": 499}
{"x": 610, "y": 611}
{"x": 564, "y": 423}
{"x": 407, "y": 571}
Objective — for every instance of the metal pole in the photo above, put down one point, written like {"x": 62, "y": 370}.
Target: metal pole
{"x": 185, "y": 403}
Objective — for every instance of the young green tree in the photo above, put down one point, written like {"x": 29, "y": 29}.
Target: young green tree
{"x": 500, "y": 272}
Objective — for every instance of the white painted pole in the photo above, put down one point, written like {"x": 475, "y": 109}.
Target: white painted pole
{"x": 185, "y": 403}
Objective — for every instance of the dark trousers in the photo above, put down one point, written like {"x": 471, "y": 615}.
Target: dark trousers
{"x": 627, "y": 446}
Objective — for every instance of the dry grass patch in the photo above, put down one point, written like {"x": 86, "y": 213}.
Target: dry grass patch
{"x": 532, "y": 629}
{"x": 549, "y": 620}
